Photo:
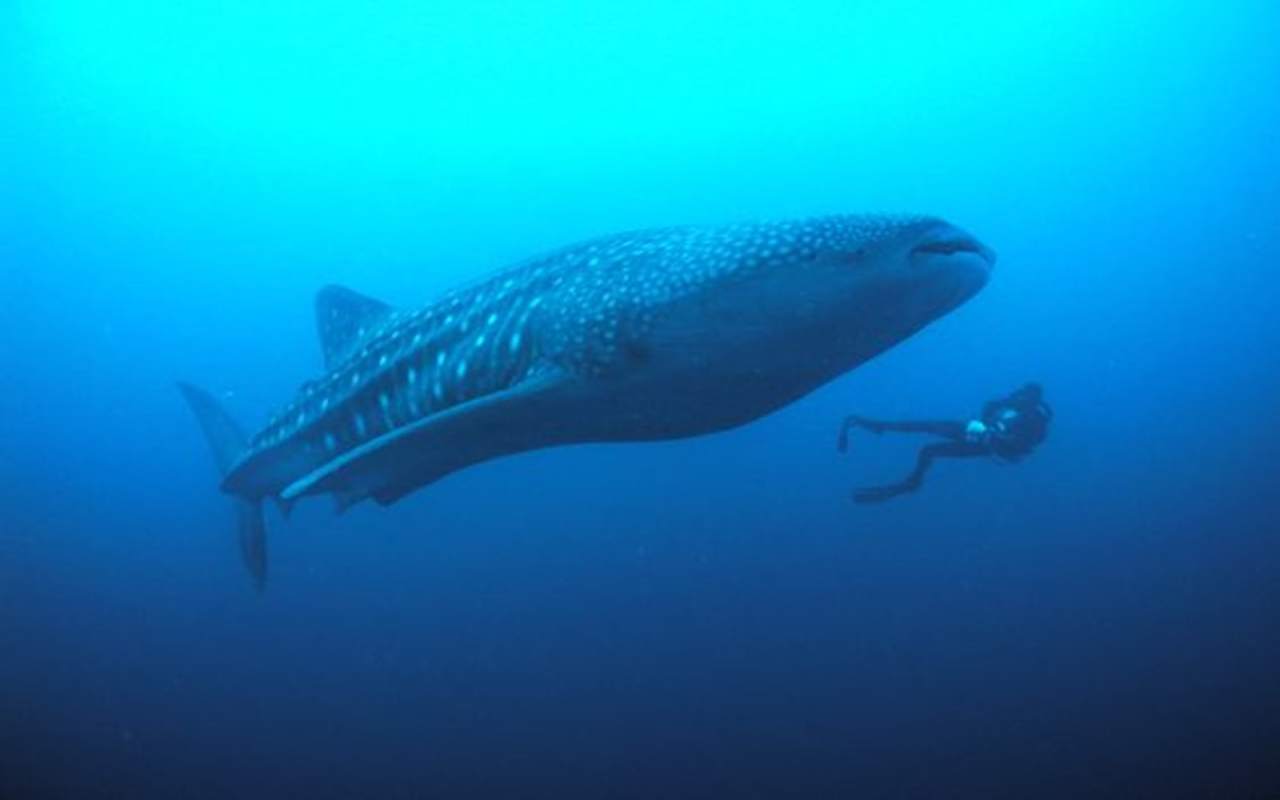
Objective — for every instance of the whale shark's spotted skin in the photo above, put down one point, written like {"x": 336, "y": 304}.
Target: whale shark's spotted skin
{"x": 604, "y": 293}
{"x": 642, "y": 335}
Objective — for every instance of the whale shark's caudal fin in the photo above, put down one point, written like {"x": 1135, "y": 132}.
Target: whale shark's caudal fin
{"x": 227, "y": 441}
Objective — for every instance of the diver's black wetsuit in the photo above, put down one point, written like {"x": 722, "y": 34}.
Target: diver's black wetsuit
{"x": 1008, "y": 429}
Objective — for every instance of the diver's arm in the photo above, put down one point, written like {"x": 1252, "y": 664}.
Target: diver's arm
{"x": 948, "y": 429}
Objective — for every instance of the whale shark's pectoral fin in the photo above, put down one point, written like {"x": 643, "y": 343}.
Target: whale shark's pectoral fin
{"x": 343, "y": 319}
{"x": 407, "y": 458}
{"x": 344, "y": 500}
{"x": 390, "y": 494}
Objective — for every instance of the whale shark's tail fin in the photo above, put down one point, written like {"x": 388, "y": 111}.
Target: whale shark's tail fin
{"x": 227, "y": 441}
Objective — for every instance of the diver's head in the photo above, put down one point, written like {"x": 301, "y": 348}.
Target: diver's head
{"x": 1029, "y": 395}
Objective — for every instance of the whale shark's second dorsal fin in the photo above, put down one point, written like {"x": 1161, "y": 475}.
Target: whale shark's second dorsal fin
{"x": 343, "y": 318}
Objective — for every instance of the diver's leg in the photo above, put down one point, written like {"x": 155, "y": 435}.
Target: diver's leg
{"x": 924, "y": 460}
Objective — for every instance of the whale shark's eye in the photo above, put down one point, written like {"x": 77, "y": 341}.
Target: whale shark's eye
{"x": 637, "y": 352}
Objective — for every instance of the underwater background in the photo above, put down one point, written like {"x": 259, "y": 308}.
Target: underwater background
{"x": 702, "y": 618}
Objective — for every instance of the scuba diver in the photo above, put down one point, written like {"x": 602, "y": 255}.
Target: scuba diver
{"x": 1008, "y": 429}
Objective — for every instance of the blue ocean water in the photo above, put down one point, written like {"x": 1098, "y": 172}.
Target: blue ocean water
{"x": 702, "y": 618}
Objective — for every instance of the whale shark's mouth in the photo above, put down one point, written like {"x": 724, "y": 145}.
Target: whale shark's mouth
{"x": 954, "y": 243}
{"x": 950, "y": 247}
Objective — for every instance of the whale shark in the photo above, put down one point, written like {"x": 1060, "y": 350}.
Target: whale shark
{"x": 645, "y": 335}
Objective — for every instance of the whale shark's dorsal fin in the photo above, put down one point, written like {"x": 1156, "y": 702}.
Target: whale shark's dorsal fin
{"x": 343, "y": 318}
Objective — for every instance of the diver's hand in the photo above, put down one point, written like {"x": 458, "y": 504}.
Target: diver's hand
{"x": 842, "y": 441}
